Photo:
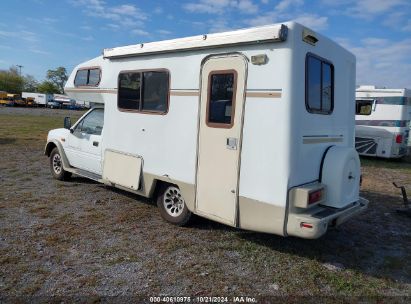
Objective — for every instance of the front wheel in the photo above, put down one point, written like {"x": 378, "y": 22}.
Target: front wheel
{"x": 56, "y": 166}
{"x": 172, "y": 205}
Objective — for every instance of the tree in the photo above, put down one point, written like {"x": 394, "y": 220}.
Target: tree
{"x": 11, "y": 81}
{"x": 47, "y": 87}
{"x": 30, "y": 84}
{"x": 58, "y": 77}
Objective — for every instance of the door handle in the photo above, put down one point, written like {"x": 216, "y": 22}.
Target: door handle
{"x": 232, "y": 143}
{"x": 95, "y": 143}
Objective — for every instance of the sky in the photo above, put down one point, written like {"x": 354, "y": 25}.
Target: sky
{"x": 45, "y": 34}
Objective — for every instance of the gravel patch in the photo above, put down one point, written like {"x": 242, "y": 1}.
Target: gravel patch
{"x": 81, "y": 238}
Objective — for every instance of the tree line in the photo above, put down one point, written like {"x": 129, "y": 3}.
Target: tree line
{"x": 12, "y": 82}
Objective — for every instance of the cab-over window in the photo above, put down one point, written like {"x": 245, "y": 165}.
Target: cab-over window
{"x": 87, "y": 77}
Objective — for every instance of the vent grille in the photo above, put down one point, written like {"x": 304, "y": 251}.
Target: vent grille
{"x": 366, "y": 146}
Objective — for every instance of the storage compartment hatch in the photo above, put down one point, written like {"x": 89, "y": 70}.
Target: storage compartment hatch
{"x": 122, "y": 169}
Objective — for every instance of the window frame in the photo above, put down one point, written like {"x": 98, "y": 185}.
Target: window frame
{"x": 307, "y": 106}
{"x": 141, "y": 91}
{"x": 233, "y": 103}
{"x": 88, "y": 76}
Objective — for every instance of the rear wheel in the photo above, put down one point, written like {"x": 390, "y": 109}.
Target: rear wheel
{"x": 56, "y": 166}
{"x": 172, "y": 205}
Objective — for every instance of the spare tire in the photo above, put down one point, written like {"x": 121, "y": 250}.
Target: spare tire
{"x": 341, "y": 173}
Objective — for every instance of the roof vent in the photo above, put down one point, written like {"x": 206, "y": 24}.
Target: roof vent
{"x": 309, "y": 37}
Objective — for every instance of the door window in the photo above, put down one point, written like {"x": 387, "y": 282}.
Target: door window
{"x": 93, "y": 123}
{"x": 221, "y": 99}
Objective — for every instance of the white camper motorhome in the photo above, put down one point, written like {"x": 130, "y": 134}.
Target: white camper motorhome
{"x": 252, "y": 128}
{"x": 382, "y": 121}
{"x": 39, "y": 98}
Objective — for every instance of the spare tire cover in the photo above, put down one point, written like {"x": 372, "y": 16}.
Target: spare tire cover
{"x": 341, "y": 174}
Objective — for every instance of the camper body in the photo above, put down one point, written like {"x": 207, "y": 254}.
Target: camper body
{"x": 40, "y": 99}
{"x": 382, "y": 121}
{"x": 252, "y": 128}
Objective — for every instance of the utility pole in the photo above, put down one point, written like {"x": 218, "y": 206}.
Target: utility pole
{"x": 19, "y": 66}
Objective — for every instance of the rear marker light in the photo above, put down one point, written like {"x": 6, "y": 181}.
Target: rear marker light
{"x": 315, "y": 196}
{"x": 306, "y": 225}
{"x": 398, "y": 139}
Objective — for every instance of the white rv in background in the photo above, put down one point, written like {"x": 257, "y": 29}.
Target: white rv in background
{"x": 382, "y": 121}
{"x": 252, "y": 128}
{"x": 39, "y": 98}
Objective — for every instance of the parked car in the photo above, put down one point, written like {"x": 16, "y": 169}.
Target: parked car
{"x": 54, "y": 105}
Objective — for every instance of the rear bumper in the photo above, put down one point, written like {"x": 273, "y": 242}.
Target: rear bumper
{"x": 314, "y": 223}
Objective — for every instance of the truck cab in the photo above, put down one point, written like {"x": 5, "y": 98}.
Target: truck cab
{"x": 77, "y": 148}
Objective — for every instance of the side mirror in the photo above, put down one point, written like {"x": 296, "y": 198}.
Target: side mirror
{"x": 67, "y": 122}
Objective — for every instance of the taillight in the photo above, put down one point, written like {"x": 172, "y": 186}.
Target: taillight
{"x": 306, "y": 225}
{"x": 398, "y": 138}
{"x": 315, "y": 196}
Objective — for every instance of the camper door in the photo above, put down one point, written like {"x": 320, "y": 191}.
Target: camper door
{"x": 220, "y": 130}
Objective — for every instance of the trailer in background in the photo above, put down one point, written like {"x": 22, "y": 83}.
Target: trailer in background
{"x": 382, "y": 121}
{"x": 40, "y": 99}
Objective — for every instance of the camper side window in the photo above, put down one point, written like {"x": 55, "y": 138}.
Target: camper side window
{"x": 220, "y": 108}
{"x": 129, "y": 91}
{"x": 145, "y": 91}
{"x": 319, "y": 85}
{"x": 363, "y": 107}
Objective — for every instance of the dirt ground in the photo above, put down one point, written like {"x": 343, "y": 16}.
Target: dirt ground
{"x": 81, "y": 238}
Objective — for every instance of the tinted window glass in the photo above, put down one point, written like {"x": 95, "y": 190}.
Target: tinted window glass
{"x": 363, "y": 107}
{"x": 220, "y": 107}
{"x": 155, "y": 91}
{"x": 81, "y": 78}
{"x": 92, "y": 123}
{"x": 129, "y": 91}
{"x": 326, "y": 88}
{"x": 87, "y": 77}
{"x": 143, "y": 91}
{"x": 314, "y": 83}
{"x": 319, "y": 85}
{"x": 94, "y": 77}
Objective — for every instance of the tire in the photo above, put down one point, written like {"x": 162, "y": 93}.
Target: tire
{"x": 172, "y": 206}
{"x": 56, "y": 166}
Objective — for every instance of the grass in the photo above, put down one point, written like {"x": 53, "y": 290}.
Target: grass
{"x": 18, "y": 129}
{"x": 397, "y": 164}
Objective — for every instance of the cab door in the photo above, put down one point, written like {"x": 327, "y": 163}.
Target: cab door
{"x": 219, "y": 140}
{"x": 84, "y": 143}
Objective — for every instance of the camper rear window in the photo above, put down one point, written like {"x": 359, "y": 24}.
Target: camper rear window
{"x": 87, "y": 77}
{"x": 319, "y": 85}
{"x": 145, "y": 91}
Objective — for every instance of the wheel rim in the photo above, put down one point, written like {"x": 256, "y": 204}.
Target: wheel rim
{"x": 57, "y": 163}
{"x": 173, "y": 201}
